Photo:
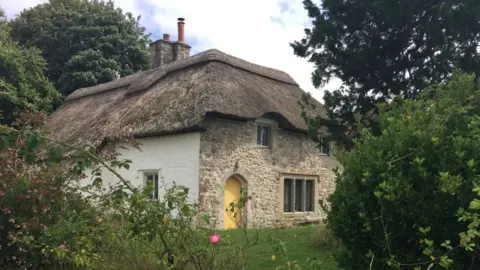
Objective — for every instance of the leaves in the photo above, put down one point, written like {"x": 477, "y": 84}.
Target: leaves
{"x": 84, "y": 42}
{"x": 49, "y": 217}
{"x": 419, "y": 201}
{"x": 23, "y": 85}
{"x": 384, "y": 49}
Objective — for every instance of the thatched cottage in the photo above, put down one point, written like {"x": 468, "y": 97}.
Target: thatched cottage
{"x": 214, "y": 123}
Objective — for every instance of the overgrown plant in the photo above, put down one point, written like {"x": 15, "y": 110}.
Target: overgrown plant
{"x": 172, "y": 232}
{"x": 410, "y": 198}
{"x": 48, "y": 219}
{"x": 40, "y": 214}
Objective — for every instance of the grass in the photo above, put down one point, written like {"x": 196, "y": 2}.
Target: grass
{"x": 301, "y": 243}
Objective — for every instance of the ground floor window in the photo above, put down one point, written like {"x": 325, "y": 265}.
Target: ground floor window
{"x": 298, "y": 194}
{"x": 151, "y": 178}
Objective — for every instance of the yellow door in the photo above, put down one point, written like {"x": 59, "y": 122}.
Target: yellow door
{"x": 232, "y": 193}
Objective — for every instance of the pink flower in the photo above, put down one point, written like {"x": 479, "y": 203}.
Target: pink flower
{"x": 2, "y": 193}
{"x": 62, "y": 246}
{"x": 215, "y": 238}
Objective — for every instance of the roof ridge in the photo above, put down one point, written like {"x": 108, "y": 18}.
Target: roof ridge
{"x": 142, "y": 80}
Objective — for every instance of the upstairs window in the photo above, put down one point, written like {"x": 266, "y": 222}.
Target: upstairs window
{"x": 263, "y": 135}
{"x": 324, "y": 146}
{"x": 151, "y": 178}
{"x": 298, "y": 194}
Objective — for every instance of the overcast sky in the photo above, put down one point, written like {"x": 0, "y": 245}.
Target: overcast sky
{"x": 257, "y": 31}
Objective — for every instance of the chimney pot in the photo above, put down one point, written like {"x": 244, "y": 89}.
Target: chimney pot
{"x": 166, "y": 37}
{"x": 181, "y": 30}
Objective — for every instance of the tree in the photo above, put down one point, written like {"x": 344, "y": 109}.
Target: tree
{"x": 23, "y": 85}
{"x": 409, "y": 197}
{"x": 85, "y": 42}
{"x": 384, "y": 49}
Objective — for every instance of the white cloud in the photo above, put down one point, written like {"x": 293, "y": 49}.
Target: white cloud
{"x": 14, "y": 7}
{"x": 257, "y": 31}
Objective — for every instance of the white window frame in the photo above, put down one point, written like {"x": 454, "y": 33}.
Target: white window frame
{"x": 304, "y": 179}
{"x": 145, "y": 175}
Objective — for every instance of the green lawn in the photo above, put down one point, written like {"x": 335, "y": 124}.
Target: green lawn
{"x": 299, "y": 242}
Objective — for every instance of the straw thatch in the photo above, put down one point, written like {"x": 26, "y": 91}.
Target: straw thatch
{"x": 177, "y": 97}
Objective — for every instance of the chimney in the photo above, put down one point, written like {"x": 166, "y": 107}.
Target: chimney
{"x": 181, "y": 30}
{"x": 164, "y": 51}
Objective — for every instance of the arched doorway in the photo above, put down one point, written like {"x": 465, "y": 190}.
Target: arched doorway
{"x": 232, "y": 193}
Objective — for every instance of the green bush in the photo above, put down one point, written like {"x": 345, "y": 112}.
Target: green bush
{"x": 48, "y": 221}
{"x": 40, "y": 212}
{"x": 408, "y": 199}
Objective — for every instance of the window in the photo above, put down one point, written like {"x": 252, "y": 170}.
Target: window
{"x": 324, "y": 146}
{"x": 263, "y": 135}
{"x": 151, "y": 178}
{"x": 298, "y": 194}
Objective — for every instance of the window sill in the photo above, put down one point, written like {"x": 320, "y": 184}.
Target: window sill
{"x": 261, "y": 146}
{"x": 298, "y": 213}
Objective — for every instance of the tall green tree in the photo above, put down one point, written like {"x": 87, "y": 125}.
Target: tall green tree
{"x": 383, "y": 49}
{"x": 85, "y": 42}
{"x": 23, "y": 84}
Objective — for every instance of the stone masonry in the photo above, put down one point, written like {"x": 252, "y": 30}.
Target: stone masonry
{"x": 227, "y": 148}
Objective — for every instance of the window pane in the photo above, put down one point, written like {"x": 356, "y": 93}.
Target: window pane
{"x": 287, "y": 195}
{"x": 259, "y": 136}
{"x": 265, "y": 136}
{"x": 152, "y": 179}
{"x": 309, "y": 195}
{"x": 298, "y": 195}
{"x": 324, "y": 146}
{"x": 155, "y": 192}
{"x": 262, "y": 135}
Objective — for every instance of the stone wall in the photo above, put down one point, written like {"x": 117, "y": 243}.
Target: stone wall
{"x": 227, "y": 148}
{"x": 163, "y": 52}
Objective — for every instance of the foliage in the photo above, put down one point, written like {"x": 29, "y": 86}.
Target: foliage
{"x": 382, "y": 49}
{"x": 85, "y": 42}
{"x": 4, "y": 31}
{"x": 49, "y": 218}
{"x": 172, "y": 232}
{"x": 409, "y": 199}
{"x": 23, "y": 85}
{"x": 40, "y": 212}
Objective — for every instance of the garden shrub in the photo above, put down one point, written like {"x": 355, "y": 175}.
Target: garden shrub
{"x": 409, "y": 199}
{"x": 39, "y": 211}
{"x": 47, "y": 220}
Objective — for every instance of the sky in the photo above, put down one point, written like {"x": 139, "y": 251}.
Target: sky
{"x": 256, "y": 31}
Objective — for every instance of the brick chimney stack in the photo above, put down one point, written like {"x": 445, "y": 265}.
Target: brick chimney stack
{"x": 181, "y": 30}
{"x": 164, "y": 51}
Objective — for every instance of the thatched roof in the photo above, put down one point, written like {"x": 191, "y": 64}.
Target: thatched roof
{"x": 177, "y": 97}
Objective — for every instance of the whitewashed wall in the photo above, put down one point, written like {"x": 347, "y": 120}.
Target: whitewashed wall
{"x": 175, "y": 157}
